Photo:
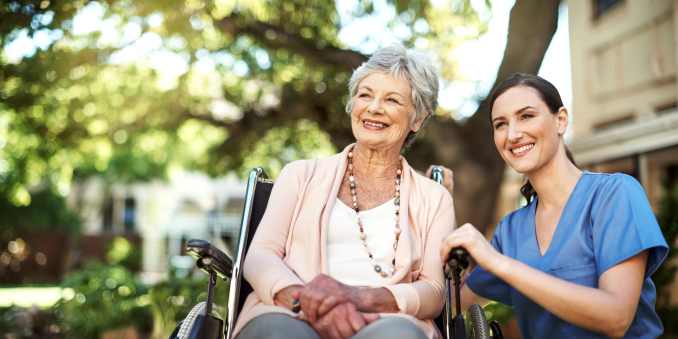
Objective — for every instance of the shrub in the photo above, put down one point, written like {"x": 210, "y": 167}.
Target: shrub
{"x": 171, "y": 301}
{"x": 122, "y": 252}
{"x": 663, "y": 278}
{"x": 24, "y": 323}
{"x": 103, "y": 297}
{"x": 47, "y": 212}
{"x": 499, "y": 312}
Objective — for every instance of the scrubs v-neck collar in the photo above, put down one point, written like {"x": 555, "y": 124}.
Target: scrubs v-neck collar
{"x": 554, "y": 245}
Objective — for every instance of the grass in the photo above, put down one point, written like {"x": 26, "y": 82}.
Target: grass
{"x": 42, "y": 297}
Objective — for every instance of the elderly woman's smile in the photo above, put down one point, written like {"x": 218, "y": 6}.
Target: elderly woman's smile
{"x": 382, "y": 112}
{"x": 374, "y": 125}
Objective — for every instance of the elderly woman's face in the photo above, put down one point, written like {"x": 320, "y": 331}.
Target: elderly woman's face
{"x": 383, "y": 112}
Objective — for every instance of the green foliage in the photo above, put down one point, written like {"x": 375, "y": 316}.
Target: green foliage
{"x": 155, "y": 85}
{"x": 122, "y": 252}
{"x": 170, "y": 301}
{"x": 499, "y": 312}
{"x": 665, "y": 275}
{"x": 493, "y": 311}
{"x": 279, "y": 146}
{"x": 21, "y": 323}
{"x": 103, "y": 297}
{"x": 47, "y": 212}
{"x": 669, "y": 317}
{"x": 668, "y": 221}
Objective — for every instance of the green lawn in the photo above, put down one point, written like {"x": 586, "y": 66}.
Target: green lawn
{"x": 32, "y": 296}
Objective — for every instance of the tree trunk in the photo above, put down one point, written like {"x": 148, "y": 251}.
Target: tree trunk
{"x": 469, "y": 148}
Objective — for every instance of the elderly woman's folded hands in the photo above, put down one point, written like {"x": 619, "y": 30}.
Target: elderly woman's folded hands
{"x": 330, "y": 307}
{"x": 342, "y": 321}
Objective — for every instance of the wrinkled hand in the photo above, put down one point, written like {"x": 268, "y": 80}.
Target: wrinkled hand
{"x": 342, "y": 321}
{"x": 448, "y": 177}
{"x": 468, "y": 237}
{"x": 286, "y": 296}
{"x": 321, "y": 295}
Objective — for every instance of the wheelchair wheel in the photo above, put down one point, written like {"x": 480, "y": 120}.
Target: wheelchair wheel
{"x": 496, "y": 330}
{"x": 479, "y": 328}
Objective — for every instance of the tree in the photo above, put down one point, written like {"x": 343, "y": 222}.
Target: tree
{"x": 277, "y": 70}
{"x": 664, "y": 277}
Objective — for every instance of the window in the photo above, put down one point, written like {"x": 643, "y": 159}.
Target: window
{"x": 614, "y": 123}
{"x": 671, "y": 175}
{"x": 602, "y": 6}
{"x": 628, "y": 165}
{"x": 665, "y": 108}
{"x": 129, "y": 215}
{"x": 107, "y": 211}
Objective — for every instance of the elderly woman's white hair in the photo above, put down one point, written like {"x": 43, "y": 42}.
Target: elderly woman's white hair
{"x": 416, "y": 67}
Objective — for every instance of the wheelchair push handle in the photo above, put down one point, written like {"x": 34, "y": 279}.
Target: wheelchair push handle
{"x": 437, "y": 174}
{"x": 209, "y": 258}
{"x": 458, "y": 258}
{"x": 457, "y": 261}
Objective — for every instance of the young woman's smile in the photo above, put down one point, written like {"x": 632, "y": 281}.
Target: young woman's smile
{"x": 526, "y": 134}
{"x": 522, "y": 149}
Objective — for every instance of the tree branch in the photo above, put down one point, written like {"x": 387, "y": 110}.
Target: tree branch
{"x": 532, "y": 24}
{"x": 469, "y": 149}
{"x": 465, "y": 147}
{"x": 276, "y": 37}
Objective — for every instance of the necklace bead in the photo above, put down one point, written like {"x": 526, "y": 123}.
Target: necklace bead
{"x": 363, "y": 236}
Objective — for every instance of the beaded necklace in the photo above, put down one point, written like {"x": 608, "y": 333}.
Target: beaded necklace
{"x": 363, "y": 237}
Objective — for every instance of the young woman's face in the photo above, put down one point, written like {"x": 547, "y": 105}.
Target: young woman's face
{"x": 526, "y": 133}
{"x": 383, "y": 112}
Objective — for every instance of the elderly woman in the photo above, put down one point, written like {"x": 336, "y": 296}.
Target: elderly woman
{"x": 348, "y": 246}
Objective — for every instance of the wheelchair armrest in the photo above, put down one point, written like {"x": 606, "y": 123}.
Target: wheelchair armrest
{"x": 210, "y": 258}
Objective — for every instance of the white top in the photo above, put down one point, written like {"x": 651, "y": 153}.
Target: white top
{"x": 347, "y": 259}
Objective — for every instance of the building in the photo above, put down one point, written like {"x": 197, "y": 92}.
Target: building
{"x": 625, "y": 90}
{"x": 162, "y": 215}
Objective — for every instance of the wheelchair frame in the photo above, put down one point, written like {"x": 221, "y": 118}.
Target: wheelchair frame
{"x": 214, "y": 262}
{"x": 257, "y": 176}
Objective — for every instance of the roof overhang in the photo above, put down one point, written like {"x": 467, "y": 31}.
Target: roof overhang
{"x": 641, "y": 136}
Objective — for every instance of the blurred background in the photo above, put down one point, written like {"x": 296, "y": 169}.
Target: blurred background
{"x": 127, "y": 127}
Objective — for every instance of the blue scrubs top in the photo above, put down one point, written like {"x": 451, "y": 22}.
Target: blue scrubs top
{"x": 606, "y": 220}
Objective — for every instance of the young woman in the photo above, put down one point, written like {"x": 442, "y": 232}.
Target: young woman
{"x": 576, "y": 261}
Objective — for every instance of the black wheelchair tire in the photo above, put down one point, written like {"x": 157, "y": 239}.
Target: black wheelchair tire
{"x": 496, "y": 330}
{"x": 479, "y": 327}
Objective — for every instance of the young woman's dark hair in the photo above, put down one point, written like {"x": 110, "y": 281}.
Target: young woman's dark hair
{"x": 547, "y": 92}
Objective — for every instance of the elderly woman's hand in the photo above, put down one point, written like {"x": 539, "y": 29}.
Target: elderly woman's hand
{"x": 342, "y": 321}
{"x": 321, "y": 295}
{"x": 287, "y": 295}
{"x": 448, "y": 177}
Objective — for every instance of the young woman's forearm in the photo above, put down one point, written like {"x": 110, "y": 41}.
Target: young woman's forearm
{"x": 469, "y": 298}
{"x": 596, "y": 309}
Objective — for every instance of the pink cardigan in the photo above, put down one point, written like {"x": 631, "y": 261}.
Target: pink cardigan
{"x": 289, "y": 245}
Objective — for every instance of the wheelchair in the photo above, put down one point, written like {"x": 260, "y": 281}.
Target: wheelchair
{"x": 201, "y": 323}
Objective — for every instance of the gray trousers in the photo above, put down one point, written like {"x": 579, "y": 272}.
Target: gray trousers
{"x": 282, "y": 326}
